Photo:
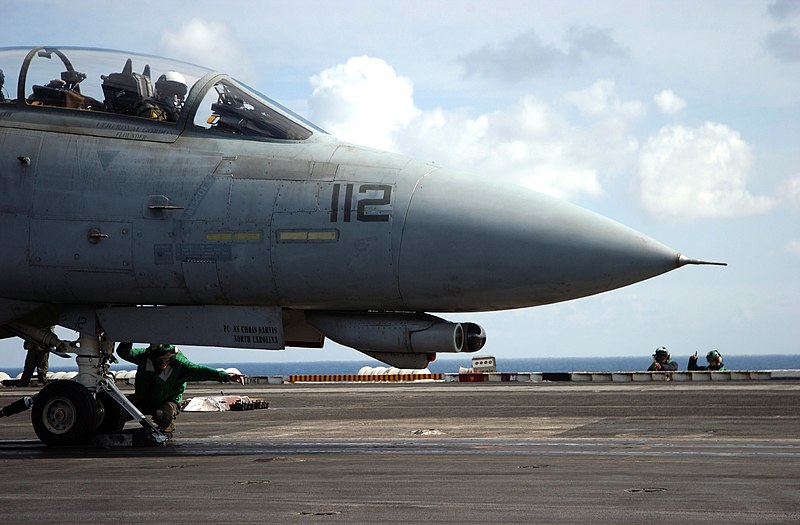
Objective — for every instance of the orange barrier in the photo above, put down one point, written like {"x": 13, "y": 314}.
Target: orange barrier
{"x": 341, "y": 378}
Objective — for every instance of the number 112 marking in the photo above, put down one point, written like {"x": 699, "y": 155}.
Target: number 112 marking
{"x": 361, "y": 204}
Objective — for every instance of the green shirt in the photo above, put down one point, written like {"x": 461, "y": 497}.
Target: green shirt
{"x": 154, "y": 386}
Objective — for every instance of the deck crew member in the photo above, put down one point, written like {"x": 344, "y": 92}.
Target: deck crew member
{"x": 161, "y": 379}
{"x": 714, "y": 359}
{"x": 662, "y": 362}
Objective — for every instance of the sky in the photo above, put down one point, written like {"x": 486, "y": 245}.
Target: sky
{"x": 677, "y": 118}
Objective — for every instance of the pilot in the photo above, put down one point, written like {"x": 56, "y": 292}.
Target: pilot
{"x": 714, "y": 359}
{"x": 161, "y": 376}
{"x": 662, "y": 362}
{"x": 170, "y": 90}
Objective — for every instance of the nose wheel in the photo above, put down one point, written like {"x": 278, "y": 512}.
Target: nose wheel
{"x": 111, "y": 416}
{"x": 64, "y": 414}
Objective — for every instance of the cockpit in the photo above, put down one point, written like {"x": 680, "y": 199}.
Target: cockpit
{"x": 160, "y": 92}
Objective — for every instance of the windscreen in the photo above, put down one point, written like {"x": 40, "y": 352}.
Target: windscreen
{"x": 148, "y": 87}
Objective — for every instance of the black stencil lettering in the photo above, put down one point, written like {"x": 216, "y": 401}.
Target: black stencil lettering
{"x": 383, "y": 201}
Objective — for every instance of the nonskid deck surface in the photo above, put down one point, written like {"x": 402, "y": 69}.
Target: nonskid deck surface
{"x": 433, "y": 452}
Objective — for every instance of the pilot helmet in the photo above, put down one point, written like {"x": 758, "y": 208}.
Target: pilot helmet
{"x": 713, "y": 356}
{"x": 171, "y": 86}
{"x": 661, "y": 352}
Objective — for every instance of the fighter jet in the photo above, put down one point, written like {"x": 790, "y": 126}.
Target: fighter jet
{"x": 145, "y": 199}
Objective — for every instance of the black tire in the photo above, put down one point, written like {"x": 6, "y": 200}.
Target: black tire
{"x": 111, "y": 416}
{"x": 64, "y": 413}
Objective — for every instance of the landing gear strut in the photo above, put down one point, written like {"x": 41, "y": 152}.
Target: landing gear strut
{"x": 68, "y": 413}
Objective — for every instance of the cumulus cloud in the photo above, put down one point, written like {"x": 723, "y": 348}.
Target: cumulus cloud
{"x": 781, "y": 9}
{"x": 790, "y": 192}
{"x": 784, "y": 45}
{"x": 526, "y": 144}
{"x": 363, "y": 101}
{"x": 526, "y": 55}
{"x": 207, "y": 44}
{"x": 689, "y": 173}
{"x": 669, "y": 103}
{"x": 600, "y": 100}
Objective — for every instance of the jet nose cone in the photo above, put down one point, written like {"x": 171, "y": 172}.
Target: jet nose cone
{"x": 489, "y": 247}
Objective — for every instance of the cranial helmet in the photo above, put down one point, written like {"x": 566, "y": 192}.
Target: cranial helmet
{"x": 171, "y": 84}
{"x": 661, "y": 351}
{"x": 163, "y": 349}
{"x": 713, "y": 355}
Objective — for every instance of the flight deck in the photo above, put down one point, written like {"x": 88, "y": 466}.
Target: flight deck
{"x": 668, "y": 452}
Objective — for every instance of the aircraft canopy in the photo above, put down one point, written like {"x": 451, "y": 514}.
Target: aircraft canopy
{"x": 129, "y": 85}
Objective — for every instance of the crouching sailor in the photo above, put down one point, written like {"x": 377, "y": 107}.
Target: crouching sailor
{"x": 161, "y": 376}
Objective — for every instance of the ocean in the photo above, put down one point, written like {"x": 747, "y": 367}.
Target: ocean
{"x": 451, "y": 365}
{"x": 543, "y": 364}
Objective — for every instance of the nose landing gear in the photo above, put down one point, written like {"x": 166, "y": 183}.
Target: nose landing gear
{"x": 69, "y": 413}
{"x": 66, "y": 413}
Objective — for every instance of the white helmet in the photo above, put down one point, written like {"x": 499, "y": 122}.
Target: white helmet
{"x": 171, "y": 84}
